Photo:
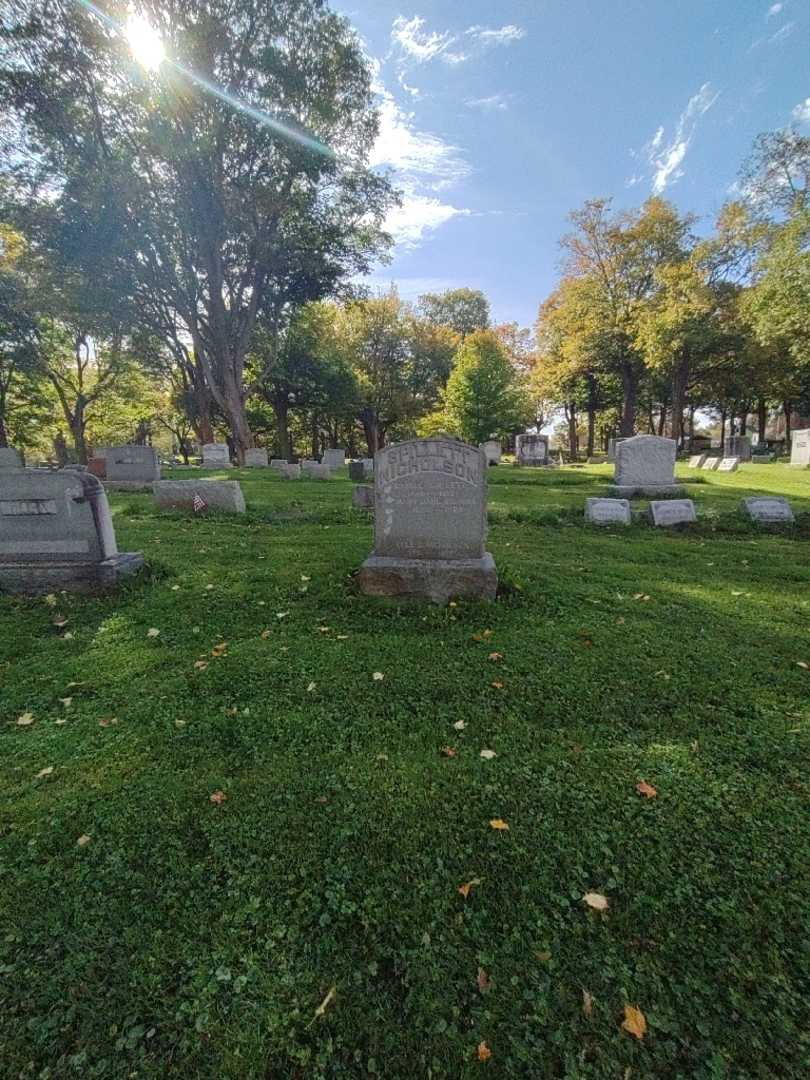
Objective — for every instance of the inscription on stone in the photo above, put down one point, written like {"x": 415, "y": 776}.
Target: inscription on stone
{"x": 665, "y": 512}
{"x": 768, "y": 508}
{"x": 800, "y": 448}
{"x": 728, "y": 464}
{"x": 608, "y": 511}
{"x": 20, "y": 507}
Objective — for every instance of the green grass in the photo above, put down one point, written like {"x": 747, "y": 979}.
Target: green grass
{"x": 187, "y": 939}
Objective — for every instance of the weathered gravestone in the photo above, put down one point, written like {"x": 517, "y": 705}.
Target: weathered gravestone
{"x": 9, "y": 458}
{"x": 645, "y": 465}
{"x": 430, "y": 508}
{"x": 291, "y": 472}
{"x": 357, "y": 471}
{"x": 315, "y": 471}
{"x": 368, "y": 464}
{"x": 800, "y": 449}
{"x": 200, "y": 495}
{"x": 738, "y": 446}
{"x": 307, "y": 464}
{"x": 131, "y": 467}
{"x": 363, "y": 497}
{"x": 728, "y": 464}
{"x": 256, "y": 458}
{"x": 532, "y": 450}
{"x": 608, "y": 511}
{"x": 696, "y": 461}
{"x": 666, "y": 512}
{"x": 612, "y": 444}
{"x": 597, "y": 459}
{"x": 334, "y": 458}
{"x": 492, "y": 451}
{"x": 216, "y": 455}
{"x": 278, "y": 463}
{"x": 768, "y": 508}
{"x": 56, "y": 533}
{"x": 762, "y": 459}
{"x": 710, "y": 463}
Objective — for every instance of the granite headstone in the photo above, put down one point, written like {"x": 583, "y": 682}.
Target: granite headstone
{"x": 256, "y": 457}
{"x": 667, "y": 512}
{"x": 645, "y": 465}
{"x": 335, "y": 458}
{"x": 216, "y": 456}
{"x": 800, "y": 449}
{"x": 199, "y": 495}
{"x": 131, "y": 466}
{"x": 532, "y": 450}
{"x": 768, "y": 508}
{"x": 608, "y": 511}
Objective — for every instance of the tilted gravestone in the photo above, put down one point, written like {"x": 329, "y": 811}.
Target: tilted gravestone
{"x": 256, "y": 457}
{"x": 56, "y": 532}
{"x": 608, "y": 511}
{"x": 357, "y": 471}
{"x": 800, "y": 449}
{"x": 532, "y": 450}
{"x": 728, "y": 464}
{"x": 696, "y": 461}
{"x": 430, "y": 507}
{"x": 710, "y": 463}
{"x": 768, "y": 508}
{"x": 9, "y": 458}
{"x": 363, "y": 497}
{"x": 131, "y": 467}
{"x": 492, "y": 451}
{"x": 200, "y": 495}
{"x": 334, "y": 458}
{"x": 216, "y": 455}
{"x": 667, "y": 512}
{"x": 738, "y": 446}
{"x": 645, "y": 465}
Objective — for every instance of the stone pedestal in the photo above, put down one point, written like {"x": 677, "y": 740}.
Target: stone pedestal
{"x": 439, "y": 580}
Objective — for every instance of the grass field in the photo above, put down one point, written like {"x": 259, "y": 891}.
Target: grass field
{"x": 307, "y": 921}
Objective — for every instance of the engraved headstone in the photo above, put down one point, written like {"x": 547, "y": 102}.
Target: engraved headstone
{"x": 728, "y": 464}
{"x": 492, "y": 451}
{"x": 666, "y": 512}
{"x": 256, "y": 457}
{"x": 357, "y": 471}
{"x": 291, "y": 472}
{"x": 363, "y": 497}
{"x": 608, "y": 511}
{"x": 738, "y": 446}
{"x": 9, "y": 458}
{"x": 131, "y": 466}
{"x": 430, "y": 499}
{"x": 645, "y": 465}
{"x": 216, "y": 455}
{"x": 696, "y": 461}
{"x": 316, "y": 471}
{"x": 768, "y": 508}
{"x": 800, "y": 448}
{"x": 335, "y": 458}
{"x": 307, "y": 464}
{"x": 532, "y": 450}
{"x": 56, "y": 532}
{"x": 225, "y": 495}
{"x": 710, "y": 463}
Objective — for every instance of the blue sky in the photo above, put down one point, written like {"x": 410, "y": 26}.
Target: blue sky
{"x": 497, "y": 120}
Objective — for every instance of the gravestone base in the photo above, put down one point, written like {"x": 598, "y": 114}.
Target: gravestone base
{"x": 32, "y": 579}
{"x": 439, "y": 580}
{"x": 635, "y": 491}
{"x": 127, "y": 485}
{"x": 363, "y": 497}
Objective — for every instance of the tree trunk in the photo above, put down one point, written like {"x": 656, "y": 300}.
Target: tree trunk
{"x": 371, "y": 429}
{"x": 3, "y": 434}
{"x": 573, "y": 439}
{"x": 629, "y": 394}
{"x": 762, "y": 419}
{"x": 281, "y": 409}
{"x": 77, "y": 430}
{"x": 662, "y": 418}
{"x": 691, "y": 425}
{"x": 651, "y": 419}
{"x": 722, "y": 427}
{"x": 787, "y": 408}
{"x": 591, "y": 430}
{"x": 680, "y": 377}
{"x": 316, "y": 449}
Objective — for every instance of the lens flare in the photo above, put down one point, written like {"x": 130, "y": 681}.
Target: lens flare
{"x": 145, "y": 43}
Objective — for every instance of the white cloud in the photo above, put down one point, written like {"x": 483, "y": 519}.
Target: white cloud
{"x": 774, "y": 9}
{"x": 667, "y": 157}
{"x": 496, "y": 102}
{"x": 505, "y": 36}
{"x": 782, "y": 33}
{"x": 802, "y": 112}
{"x": 417, "y": 217}
{"x": 419, "y": 45}
{"x": 416, "y": 43}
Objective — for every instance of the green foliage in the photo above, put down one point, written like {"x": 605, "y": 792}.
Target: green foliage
{"x": 485, "y": 395}
{"x": 779, "y": 303}
{"x": 462, "y": 310}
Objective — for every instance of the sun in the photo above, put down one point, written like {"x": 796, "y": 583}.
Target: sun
{"x": 145, "y": 43}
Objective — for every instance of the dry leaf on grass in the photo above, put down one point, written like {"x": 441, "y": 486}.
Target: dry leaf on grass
{"x": 45, "y": 772}
{"x": 153, "y": 632}
{"x": 83, "y": 840}
{"x": 634, "y": 1022}
{"x": 221, "y": 649}
{"x": 200, "y": 665}
{"x": 466, "y": 887}
{"x": 448, "y": 751}
{"x": 803, "y": 664}
{"x": 324, "y": 1005}
{"x": 265, "y": 634}
{"x": 482, "y": 635}
{"x": 497, "y": 684}
{"x": 460, "y": 725}
{"x": 311, "y": 688}
{"x": 495, "y": 656}
{"x": 378, "y": 676}
{"x": 217, "y": 798}
{"x": 645, "y": 789}
{"x": 484, "y": 1052}
{"x": 596, "y": 901}
{"x": 499, "y": 824}
{"x": 482, "y": 981}
{"x": 488, "y": 755}
{"x": 50, "y": 599}
{"x": 25, "y": 720}
{"x": 587, "y": 1004}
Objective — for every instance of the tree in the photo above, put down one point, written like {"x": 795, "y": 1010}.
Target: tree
{"x": 218, "y": 174}
{"x": 779, "y": 303}
{"x": 19, "y": 332}
{"x": 776, "y": 177}
{"x": 462, "y": 310}
{"x": 485, "y": 394}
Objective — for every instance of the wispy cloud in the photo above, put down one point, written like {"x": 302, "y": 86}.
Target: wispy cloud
{"x": 782, "y": 33}
{"x": 416, "y": 44}
{"x": 802, "y": 112}
{"x": 666, "y": 156}
{"x": 494, "y": 103}
{"x": 487, "y": 36}
{"x": 774, "y": 10}
{"x": 420, "y": 215}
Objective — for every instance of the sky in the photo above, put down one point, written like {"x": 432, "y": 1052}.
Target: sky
{"x": 499, "y": 119}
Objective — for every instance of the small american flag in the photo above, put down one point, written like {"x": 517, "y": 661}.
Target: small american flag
{"x": 199, "y": 503}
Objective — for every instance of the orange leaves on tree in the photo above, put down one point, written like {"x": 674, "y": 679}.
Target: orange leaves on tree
{"x": 634, "y": 1022}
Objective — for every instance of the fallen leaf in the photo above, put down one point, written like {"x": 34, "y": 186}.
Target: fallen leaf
{"x": 736, "y": 592}
{"x": 305, "y": 578}
{"x": 324, "y": 1005}
{"x": 324, "y": 629}
{"x": 209, "y": 586}
{"x": 342, "y": 637}
{"x": 482, "y": 635}
{"x": 200, "y": 665}
{"x": 221, "y": 649}
{"x": 50, "y": 599}
{"x": 448, "y": 751}
{"x": 495, "y": 656}
{"x": 634, "y": 1022}
{"x": 803, "y": 664}
{"x": 640, "y": 596}
{"x": 484, "y": 1052}
{"x": 596, "y": 901}
{"x": 482, "y": 981}
{"x": 543, "y": 956}
{"x": 66, "y": 701}
{"x": 694, "y": 746}
{"x": 25, "y": 720}
{"x": 497, "y": 684}
{"x": 488, "y": 755}
{"x": 45, "y": 772}
{"x": 218, "y": 798}
{"x": 587, "y": 1004}
{"x": 311, "y": 688}
{"x": 460, "y": 725}
{"x": 180, "y": 723}
{"x": 466, "y": 888}
{"x": 83, "y": 840}
{"x": 265, "y": 634}
{"x": 378, "y": 676}
{"x": 105, "y": 721}
{"x": 153, "y": 632}
{"x": 645, "y": 789}
{"x": 61, "y": 720}
{"x": 621, "y": 620}
{"x": 498, "y": 823}
{"x": 175, "y": 588}
{"x": 282, "y": 614}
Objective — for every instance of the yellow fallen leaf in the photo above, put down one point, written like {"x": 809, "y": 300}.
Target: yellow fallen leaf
{"x": 25, "y": 720}
{"x": 587, "y": 1004}
{"x": 153, "y": 632}
{"x": 484, "y": 1052}
{"x": 45, "y": 772}
{"x": 596, "y": 901}
{"x": 634, "y": 1022}
{"x": 645, "y": 789}
{"x": 378, "y": 676}
{"x": 498, "y": 823}
{"x": 221, "y": 649}
{"x": 488, "y": 755}
{"x": 466, "y": 887}
{"x": 497, "y": 684}
{"x": 83, "y": 840}
{"x": 265, "y": 634}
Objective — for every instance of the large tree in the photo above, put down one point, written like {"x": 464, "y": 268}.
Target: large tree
{"x": 486, "y": 395}
{"x": 462, "y": 310}
{"x": 216, "y": 173}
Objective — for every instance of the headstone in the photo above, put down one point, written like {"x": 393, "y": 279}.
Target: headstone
{"x": 97, "y": 466}
{"x": 762, "y": 459}
{"x": 768, "y": 508}
{"x": 56, "y": 532}
{"x": 608, "y": 511}
{"x": 363, "y": 497}
{"x": 357, "y": 471}
{"x": 334, "y": 458}
{"x": 696, "y": 461}
{"x": 9, "y": 458}
{"x": 492, "y": 451}
{"x": 200, "y": 495}
{"x": 131, "y": 467}
{"x": 597, "y": 459}
{"x": 291, "y": 472}
{"x": 430, "y": 508}
{"x": 800, "y": 449}
{"x": 738, "y": 446}
{"x": 612, "y": 444}
{"x": 532, "y": 450}
{"x": 216, "y": 455}
{"x": 307, "y": 464}
{"x": 711, "y": 463}
{"x": 728, "y": 464}
{"x": 645, "y": 465}
{"x": 278, "y": 463}
{"x": 316, "y": 471}
{"x": 368, "y": 464}
{"x": 256, "y": 458}
{"x": 666, "y": 512}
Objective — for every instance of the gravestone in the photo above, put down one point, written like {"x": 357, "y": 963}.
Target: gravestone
{"x": 307, "y": 464}
{"x": 200, "y": 495}
{"x": 608, "y": 511}
{"x": 768, "y": 508}
{"x": 291, "y": 472}
{"x": 334, "y": 458}
{"x": 56, "y": 532}
{"x": 368, "y": 464}
{"x": 278, "y": 463}
{"x": 728, "y": 464}
{"x": 316, "y": 471}
{"x": 363, "y": 497}
{"x": 216, "y": 455}
{"x": 256, "y": 458}
{"x": 667, "y": 512}
{"x": 131, "y": 467}
{"x": 430, "y": 507}
{"x": 612, "y": 444}
{"x": 800, "y": 449}
{"x": 710, "y": 463}
{"x": 762, "y": 459}
{"x": 645, "y": 465}
{"x": 738, "y": 446}
{"x": 532, "y": 450}
{"x": 696, "y": 461}
{"x": 357, "y": 471}
{"x": 597, "y": 459}
{"x": 492, "y": 451}
{"x": 9, "y": 459}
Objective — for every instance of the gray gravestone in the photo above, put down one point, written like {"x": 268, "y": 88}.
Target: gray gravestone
{"x": 430, "y": 506}
{"x": 9, "y": 458}
{"x": 291, "y": 472}
{"x": 762, "y": 459}
{"x": 216, "y": 455}
{"x": 368, "y": 464}
{"x": 363, "y": 497}
{"x": 278, "y": 463}
{"x": 738, "y": 446}
{"x": 645, "y": 465}
{"x": 492, "y": 451}
{"x": 696, "y": 461}
{"x": 256, "y": 458}
{"x": 200, "y": 495}
{"x": 56, "y": 532}
{"x": 607, "y": 511}
{"x": 728, "y": 464}
{"x": 334, "y": 458}
{"x": 597, "y": 459}
{"x": 315, "y": 471}
{"x": 357, "y": 471}
{"x": 800, "y": 448}
{"x": 612, "y": 444}
{"x": 710, "y": 463}
{"x": 768, "y": 508}
{"x": 131, "y": 467}
{"x": 667, "y": 512}
{"x": 532, "y": 450}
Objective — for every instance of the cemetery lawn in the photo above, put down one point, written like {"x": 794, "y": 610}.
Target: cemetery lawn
{"x": 231, "y": 843}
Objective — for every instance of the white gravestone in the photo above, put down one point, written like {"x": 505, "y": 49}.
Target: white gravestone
{"x": 492, "y": 451}
{"x": 334, "y": 458}
{"x": 56, "y": 532}
{"x": 696, "y": 461}
{"x": 131, "y": 467}
{"x": 608, "y": 511}
{"x": 256, "y": 457}
{"x": 800, "y": 449}
{"x": 710, "y": 464}
{"x": 667, "y": 512}
{"x": 216, "y": 456}
{"x": 645, "y": 465}
{"x": 532, "y": 450}
{"x": 768, "y": 508}
{"x": 430, "y": 506}
{"x": 728, "y": 464}
{"x": 199, "y": 495}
